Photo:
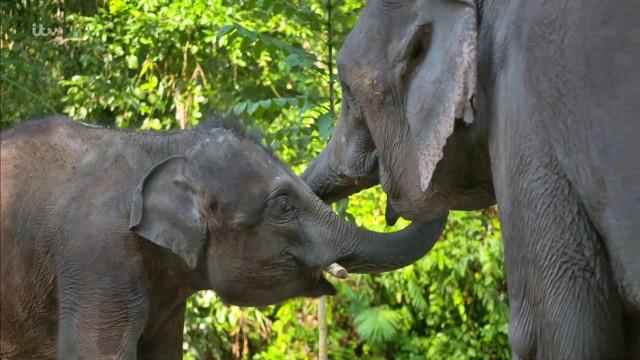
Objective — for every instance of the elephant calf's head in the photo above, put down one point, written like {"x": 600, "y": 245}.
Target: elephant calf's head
{"x": 231, "y": 211}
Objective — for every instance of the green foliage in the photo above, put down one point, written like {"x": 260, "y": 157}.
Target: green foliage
{"x": 30, "y": 68}
{"x": 163, "y": 64}
{"x": 377, "y": 324}
{"x": 450, "y": 304}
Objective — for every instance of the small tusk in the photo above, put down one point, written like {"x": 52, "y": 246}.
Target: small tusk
{"x": 337, "y": 270}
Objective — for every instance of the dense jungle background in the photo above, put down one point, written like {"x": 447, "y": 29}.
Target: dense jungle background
{"x": 168, "y": 64}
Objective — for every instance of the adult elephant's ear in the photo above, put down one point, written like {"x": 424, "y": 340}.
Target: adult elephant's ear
{"x": 165, "y": 210}
{"x": 442, "y": 84}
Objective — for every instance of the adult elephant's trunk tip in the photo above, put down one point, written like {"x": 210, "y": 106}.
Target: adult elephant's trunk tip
{"x": 390, "y": 214}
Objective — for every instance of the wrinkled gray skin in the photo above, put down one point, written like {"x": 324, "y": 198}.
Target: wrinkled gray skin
{"x": 106, "y": 233}
{"x": 533, "y": 105}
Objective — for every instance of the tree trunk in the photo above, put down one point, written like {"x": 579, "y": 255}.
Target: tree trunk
{"x": 322, "y": 324}
{"x": 322, "y": 302}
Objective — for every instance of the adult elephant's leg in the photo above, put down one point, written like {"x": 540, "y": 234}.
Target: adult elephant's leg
{"x": 165, "y": 342}
{"x": 563, "y": 299}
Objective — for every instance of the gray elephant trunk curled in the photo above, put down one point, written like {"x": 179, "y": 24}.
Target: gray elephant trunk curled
{"x": 363, "y": 251}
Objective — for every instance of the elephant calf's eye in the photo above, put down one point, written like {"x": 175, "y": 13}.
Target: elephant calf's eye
{"x": 280, "y": 210}
{"x": 283, "y": 205}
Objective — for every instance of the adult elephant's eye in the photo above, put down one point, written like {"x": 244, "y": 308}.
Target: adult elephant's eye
{"x": 345, "y": 87}
{"x": 418, "y": 48}
{"x": 346, "y": 93}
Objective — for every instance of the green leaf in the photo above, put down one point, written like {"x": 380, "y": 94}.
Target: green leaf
{"x": 281, "y": 102}
{"x": 132, "y": 61}
{"x": 239, "y": 108}
{"x": 377, "y": 324}
{"x": 225, "y": 30}
{"x": 252, "y": 107}
{"x": 151, "y": 83}
{"x": 325, "y": 125}
{"x": 292, "y": 59}
{"x": 265, "y": 104}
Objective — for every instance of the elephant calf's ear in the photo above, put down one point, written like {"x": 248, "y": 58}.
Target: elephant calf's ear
{"x": 165, "y": 210}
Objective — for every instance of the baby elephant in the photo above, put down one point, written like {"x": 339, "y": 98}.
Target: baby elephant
{"x": 105, "y": 234}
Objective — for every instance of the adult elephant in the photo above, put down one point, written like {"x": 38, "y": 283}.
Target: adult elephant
{"x": 533, "y": 105}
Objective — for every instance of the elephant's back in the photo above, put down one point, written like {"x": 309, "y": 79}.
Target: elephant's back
{"x": 39, "y": 145}
{"x": 57, "y": 176}
{"x": 36, "y": 161}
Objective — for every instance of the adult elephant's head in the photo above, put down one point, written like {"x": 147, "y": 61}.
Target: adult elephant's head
{"x": 408, "y": 72}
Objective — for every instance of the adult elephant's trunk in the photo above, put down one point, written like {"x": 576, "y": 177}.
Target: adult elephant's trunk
{"x": 331, "y": 183}
{"x": 323, "y": 180}
{"x": 362, "y": 251}
{"x": 345, "y": 166}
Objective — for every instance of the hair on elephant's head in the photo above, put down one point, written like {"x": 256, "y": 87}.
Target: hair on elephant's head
{"x": 408, "y": 73}
{"x": 231, "y": 211}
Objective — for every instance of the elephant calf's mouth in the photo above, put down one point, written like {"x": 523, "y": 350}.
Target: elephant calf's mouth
{"x": 322, "y": 286}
